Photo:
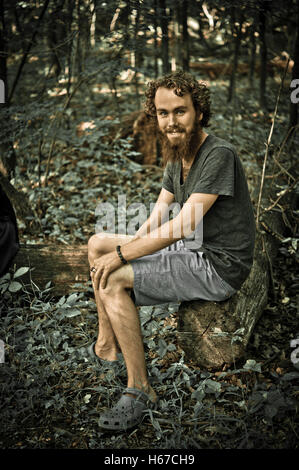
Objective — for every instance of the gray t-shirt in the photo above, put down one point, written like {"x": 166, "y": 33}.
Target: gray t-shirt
{"x": 228, "y": 227}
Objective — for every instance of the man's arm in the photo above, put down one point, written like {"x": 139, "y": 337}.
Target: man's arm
{"x": 157, "y": 215}
{"x": 179, "y": 227}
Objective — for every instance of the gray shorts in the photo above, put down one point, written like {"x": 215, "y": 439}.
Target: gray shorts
{"x": 176, "y": 274}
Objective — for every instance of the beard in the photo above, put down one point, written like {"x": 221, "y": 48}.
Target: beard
{"x": 181, "y": 151}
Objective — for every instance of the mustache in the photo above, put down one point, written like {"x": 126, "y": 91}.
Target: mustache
{"x": 174, "y": 129}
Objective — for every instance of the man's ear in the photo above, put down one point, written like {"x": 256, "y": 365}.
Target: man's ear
{"x": 199, "y": 117}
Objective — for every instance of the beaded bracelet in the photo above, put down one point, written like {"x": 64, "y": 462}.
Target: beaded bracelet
{"x": 124, "y": 261}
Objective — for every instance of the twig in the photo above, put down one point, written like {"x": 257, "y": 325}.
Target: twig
{"x": 280, "y": 150}
{"x": 268, "y": 144}
{"x": 270, "y": 268}
{"x": 281, "y": 195}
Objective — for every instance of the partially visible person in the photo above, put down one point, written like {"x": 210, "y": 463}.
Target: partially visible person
{"x": 9, "y": 237}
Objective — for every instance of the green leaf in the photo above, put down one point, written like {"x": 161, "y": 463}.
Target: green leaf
{"x": 198, "y": 394}
{"x": 6, "y": 277}
{"x": 4, "y": 286}
{"x": 21, "y": 271}
{"x": 211, "y": 386}
{"x": 290, "y": 376}
{"x": 15, "y": 286}
{"x": 72, "y": 313}
{"x": 72, "y": 299}
{"x": 251, "y": 364}
{"x": 270, "y": 411}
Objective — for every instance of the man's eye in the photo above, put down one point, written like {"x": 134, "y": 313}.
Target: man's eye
{"x": 180, "y": 111}
{"x": 162, "y": 113}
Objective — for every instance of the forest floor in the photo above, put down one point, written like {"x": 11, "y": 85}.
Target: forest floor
{"x": 52, "y": 394}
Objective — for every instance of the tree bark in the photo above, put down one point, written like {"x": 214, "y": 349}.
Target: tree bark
{"x": 263, "y": 44}
{"x": 252, "y": 53}
{"x": 186, "y": 51}
{"x": 165, "y": 43}
{"x": 156, "y": 69}
{"x": 62, "y": 265}
{"x": 237, "y": 42}
{"x": 295, "y": 75}
{"x": 7, "y": 153}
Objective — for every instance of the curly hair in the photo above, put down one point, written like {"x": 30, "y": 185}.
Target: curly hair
{"x": 181, "y": 82}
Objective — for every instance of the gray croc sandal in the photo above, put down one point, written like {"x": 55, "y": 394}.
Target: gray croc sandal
{"x": 103, "y": 362}
{"x": 128, "y": 412}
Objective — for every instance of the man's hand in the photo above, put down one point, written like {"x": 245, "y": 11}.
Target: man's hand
{"x": 104, "y": 266}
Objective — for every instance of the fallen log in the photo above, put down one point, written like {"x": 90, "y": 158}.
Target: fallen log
{"x": 65, "y": 266}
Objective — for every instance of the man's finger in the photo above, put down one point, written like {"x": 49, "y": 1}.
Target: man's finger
{"x": 97, "y": 278}
{"x": 104, "y": 279}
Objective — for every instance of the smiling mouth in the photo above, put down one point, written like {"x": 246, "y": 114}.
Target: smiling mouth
{"x": 174, "y": 133}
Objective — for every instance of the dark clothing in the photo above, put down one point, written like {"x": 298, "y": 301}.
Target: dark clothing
{"x": 9, "y": 239}
{"x": 228, "y": 227}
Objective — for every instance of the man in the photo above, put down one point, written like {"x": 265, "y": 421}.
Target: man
{"x": 167, "y": 261}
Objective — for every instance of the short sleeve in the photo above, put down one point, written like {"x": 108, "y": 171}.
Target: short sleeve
{"x": 217, "y": 174}
{"x": 167, "y": 182}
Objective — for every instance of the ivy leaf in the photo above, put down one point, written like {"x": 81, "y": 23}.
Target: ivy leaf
{"x": 251, "y": 364}
{"x": 211, "y": 386}
{"x": 14, "y": 286}
{"x": 72, "y": 313}
{"x": 270, "y": 411}
{"x": 21, "y": 271}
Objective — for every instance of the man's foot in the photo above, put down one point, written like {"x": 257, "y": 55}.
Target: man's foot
{"x": 104, "y": 358}
{"x": 148, "y": 390}
{"x": 128, "y": 412}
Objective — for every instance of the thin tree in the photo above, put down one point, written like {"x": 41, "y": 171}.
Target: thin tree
{"x": 263, "y": 45}
{"x": 165, "y": 43}
{"x": 237, "y": 34}
{"x": 293, "y": 120}
{"x": 186, "y": 51}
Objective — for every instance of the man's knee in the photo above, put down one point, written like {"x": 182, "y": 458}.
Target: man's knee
{"x": 118, "y": 281}
{"x": 95, "y": 247}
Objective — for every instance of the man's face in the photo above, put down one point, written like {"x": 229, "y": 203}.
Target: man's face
{"x": 178, "y": 123}
{"x": 176, "y": 115}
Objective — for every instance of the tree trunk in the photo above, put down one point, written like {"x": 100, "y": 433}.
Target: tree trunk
{"x": 137, "y": 53}
{"x": 295, "y": 75}
{"x": 165, "y": 45}
{"x": 214, "y": 334}
{"x": 252, "y": 53}
{"x": 237, "y": 35}
{"x": 177, "y": 50}
{"x": 185, "y": 45}
{"x": 7, "y": 153}
{"x": 263, "y": 44}
{"x": 156, "y": 70}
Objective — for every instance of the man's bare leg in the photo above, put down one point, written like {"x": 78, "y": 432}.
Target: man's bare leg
{"x": 125, "y": 322}
{"x": 106, "y": 346}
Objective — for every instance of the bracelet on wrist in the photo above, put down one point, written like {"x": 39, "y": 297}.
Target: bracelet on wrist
{"x": 123, "y": 260}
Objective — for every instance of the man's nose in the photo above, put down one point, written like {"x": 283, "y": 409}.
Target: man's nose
{"x": 171, "y": 119}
